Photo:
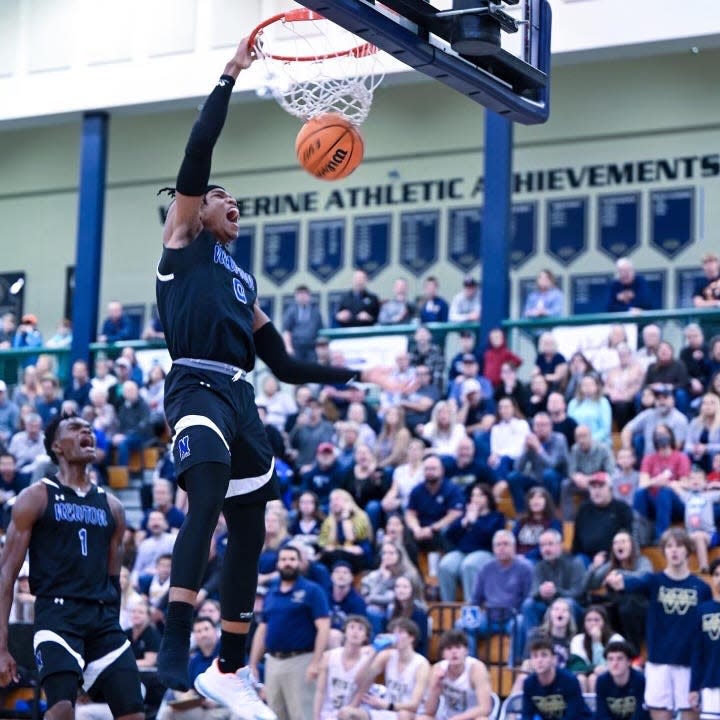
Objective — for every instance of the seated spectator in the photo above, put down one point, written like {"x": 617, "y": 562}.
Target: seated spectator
{"x": 27, "y": 335}
{"x": 539, "y": 394}
{"x": 433, "y": 308}
{"x": 497, "y": 354}
{"x": 357, "y": 412}
{"x": 651, "y": 338}
{"x": 278, "y": 405}
{"x": 324, "y": 475}
{"x": 7, "y": 330}
{"x": 702, "y": 442}
{"x": 28, "y": 449}
{"x": 620, "y": 691}
{"x": 143, "y": 636}
{"x": 11, "y": 484}
{"x": 27, "y": 391}
{"x": 310, "y": 430}
{"x": 465, "y": 306}
{"x": 105, "y": 415}
{"x": 301, "y": 323}
{"x": 588, "y": 459}
{"x": 347, "y": 437}
{"x": 404, "y": 478}
{"x": 467, "y": 347}
{"x": 117, "y": 326}
{"x": 549, "y": 691}
{"x": 153, "y": 392}
{"x": 153, "y": 331}
{"x": 419, "y": 402}
{"x": 476, "y": 410}
{"x": 578, "y": 367}
{"x": 629, "y": 292}
{"x": 394, "y": 438}
{"x": 346, "y": 533}
{"x": 561, "y": 421}
{"x": 669, "y": 371}
{"x": 49, "y": 401}
{"x": 136, "y": 372}
{"x": 162, "y": 500}
{"x": 542, "y": 462}
{"x": 512, "y": 388}
{"x": 103, "y": 376}
{"x": 133, "y": 429}
{"x": 622, "y": 385}
{"x": 547, "y": 300}
{"x": 598, "y": 519}
{"x": 398, "y": 532}
{"x": 398, "y": 309}
{"x": 556, "y": 575}
{"x": 529, "y": 526}
{"x": 344, "y": 600}
{"x": 155, "y": 586}
{"x": 695, "y": 357}
{"x": 707, "y": 289}
{"x": 699, "y": 515}
{"x": 367, "y": 484}
{"x": 404, "y": 374}
{"x": 158, "y": 542}
{"x": 424, "y": 352}
{"x": 467, "y": 467}
{"x": 443, "y": 432}
{"x": 408, "y": 604}
{"x": 78, "y": 389}
{"x": 470, "y": 370}
{"x": 378, "y": 586}
{"x": 128, "y": 597}
{"x": 606, "y": 357}
{"x": 308, "y": 520}
{"x": 550, "y": 363}
{"x": 591, "y": 408}
{"x": 336, "y": 398}
{"x": 433, "y": 506}
{"x": 625, "y": 477}
{"x": 507, "y": 442}
{"x": 655, "y": 500}
{"x": 358, "y": 307}
{"x": 627, "y": 609}
{"x": 502, "y": 586}
{"x": 587, "y": 648}
{"x": 640, "y": 431}
{"x": 471, "y": 536}
{"x": 276, "y": 538}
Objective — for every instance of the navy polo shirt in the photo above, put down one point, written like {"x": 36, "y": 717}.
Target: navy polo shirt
{"x": 290, "y": 616}
{"x": 431, "y": 508}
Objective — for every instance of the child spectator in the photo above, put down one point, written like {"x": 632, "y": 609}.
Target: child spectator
{"x": 496, "y": 355}
{"x": 625, "y": 478}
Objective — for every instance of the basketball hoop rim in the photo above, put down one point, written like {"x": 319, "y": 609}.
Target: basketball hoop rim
{"x": 302, "y": 15}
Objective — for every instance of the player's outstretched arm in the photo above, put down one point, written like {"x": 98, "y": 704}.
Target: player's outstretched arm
{"x": 182, "y": 224}
{"x": 28, "y": 508}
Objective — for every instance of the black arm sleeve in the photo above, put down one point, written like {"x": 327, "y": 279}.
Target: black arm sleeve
{"x": 195, "y": 169}
{"x": 286, "y": 368}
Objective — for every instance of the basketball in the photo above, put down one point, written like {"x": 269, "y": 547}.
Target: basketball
{"x": 329, "y": 146}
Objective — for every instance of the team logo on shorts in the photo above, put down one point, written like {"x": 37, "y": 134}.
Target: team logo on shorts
{"x": 183, "y": 445}
{"x": 239, "y": 289}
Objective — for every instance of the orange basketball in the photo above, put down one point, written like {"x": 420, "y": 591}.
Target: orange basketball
{"x": 329, "y": 146}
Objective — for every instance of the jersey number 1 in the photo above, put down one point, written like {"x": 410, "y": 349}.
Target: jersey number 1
{"x": 82, "y": 534}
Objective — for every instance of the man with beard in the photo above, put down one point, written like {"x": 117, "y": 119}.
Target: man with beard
{"x": 293, "y": 635}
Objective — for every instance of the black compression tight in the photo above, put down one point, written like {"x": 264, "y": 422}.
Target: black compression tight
{"x": 206, "y": 485}
{"x": 246, "y": 534}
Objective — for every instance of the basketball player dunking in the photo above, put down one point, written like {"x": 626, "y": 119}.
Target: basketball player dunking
{"x": 214, "y": 328}
{"x": 74, "y": 532}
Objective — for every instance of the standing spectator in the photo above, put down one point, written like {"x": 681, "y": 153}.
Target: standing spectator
{"x": 549, "y": 692}
{"x": 358, "y": 307}
{"x": 629, "y": 292}
{"x": 433, "y": 506}
{"x": 293, "y": 635}
{"x": 669, "y": 371}
{"x": 588, "y": 459}
{"x": 620, "y": 690}
{"x": 651, "y": 338}
{"x": 302, "y": 322}
{"x": 707, "y": 289}
{"x": 550, "y": 363}
{"x": 674, "y": 597}
{"x": 598, "y": 519}
{"x": 117, "y": 326}
{"x": 542, "y": 462}
{"x": 471, "y": 536}
{"x": 465, "y": 306}
{"x": 557, "y": 575}
{"x": 78, "y": 389}
{"x": 502, "y": 586}
{"x": 547, "y": 300}
{"x": 702, "y": 442}
{"x": 49, "y": 401}
{"x": 28, "y": 449}
{"x": 622, "y": 385}
{"x": 433, "y": 308}
{"x": 424, "y": 352}
{"x": 511, "y": 387}
{"x": 591, "y": 408}
{"x": 529, "y": 526}
{"x": 398, "y": 309}
{"x": 9, "y": 416}
{"x": 496, "y": 355}
{"x": 655, "y": 499}
{"x": 344, "y": 600}
{"x": 133, "y": 429}
{"x": 28, "y": 336}
{"x": 628, "y": 609}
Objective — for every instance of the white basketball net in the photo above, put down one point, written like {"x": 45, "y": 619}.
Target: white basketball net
{"x": 309, "y": 74}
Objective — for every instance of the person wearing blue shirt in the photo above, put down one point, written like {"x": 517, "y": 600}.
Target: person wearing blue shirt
{"x": 344, "y": 600}
{"x": 116, "y": 326}
{"x": 629, "y": 292}
{"x": 547, "y": 300}
{"x": 620, "y": 691}
{"x": 432, "y": 307}
{"x": 550, "y": 693}
{"x": 674, "y": 596}
{"x": 293, "y": 635}
{"x": 433, "y": 506}
{"x": 705, "y": 668}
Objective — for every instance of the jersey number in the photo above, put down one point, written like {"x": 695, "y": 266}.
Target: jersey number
{"x": 82, "y": 534}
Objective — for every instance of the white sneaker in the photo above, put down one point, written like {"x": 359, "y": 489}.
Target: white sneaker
{"x": 235, "y": 691}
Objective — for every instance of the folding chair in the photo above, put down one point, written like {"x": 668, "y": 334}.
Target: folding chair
{"x": 495, "y": 710}
{"x": 512, "y": 707}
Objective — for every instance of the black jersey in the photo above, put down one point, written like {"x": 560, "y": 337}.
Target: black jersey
{"x": 70, "y": 544}
{"x": 205, "y": 303}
